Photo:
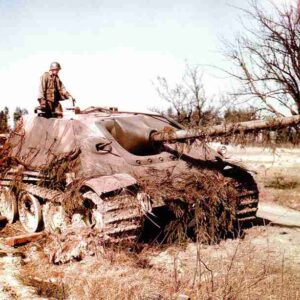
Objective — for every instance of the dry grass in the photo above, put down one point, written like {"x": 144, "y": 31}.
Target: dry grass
{"x": 281, "y": 186}
{"x": 281, "y": 183}
{"x": 45, "y": 288}
{"x": 254, "y": 268}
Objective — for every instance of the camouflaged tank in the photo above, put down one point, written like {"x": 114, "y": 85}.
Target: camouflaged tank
{"x": 117, "y": 171}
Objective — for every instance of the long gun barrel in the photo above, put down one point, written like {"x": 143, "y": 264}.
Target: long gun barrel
{"x": 230, "y": 128}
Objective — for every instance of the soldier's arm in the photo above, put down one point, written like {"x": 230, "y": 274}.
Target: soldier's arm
{"x": 42, "y": 87}
{"x": 64, "y": 93}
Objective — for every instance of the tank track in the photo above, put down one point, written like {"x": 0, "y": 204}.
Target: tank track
{"x": 122, "y": 216}
{"x": 248, "y": 197}
{"x": 248, "y": 205}
{"x": 121, "y": 212}
{"x": 41, "y": 192}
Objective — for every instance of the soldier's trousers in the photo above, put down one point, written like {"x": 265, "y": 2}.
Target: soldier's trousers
{"x": 51, "y": 107}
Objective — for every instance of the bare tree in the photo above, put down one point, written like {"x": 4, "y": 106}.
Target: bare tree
{"x": 266, "y": 59}
{"x": 177, "y": 98}
{"x": 18, "y": 113}
{"x": 187, "y": 98}
{"x": 235, "y": 115}
{"x": 4, "y": 116}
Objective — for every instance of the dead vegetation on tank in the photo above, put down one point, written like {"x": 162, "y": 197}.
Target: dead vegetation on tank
{"x": 53, "y": 174}
{"x": 57, "y": 167}
{"x": 7, "y": 160}
{"x": 203, "y": 201}
{"x": 56, "y": 173}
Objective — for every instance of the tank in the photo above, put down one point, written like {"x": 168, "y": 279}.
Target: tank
{"x": 131, "y": 176}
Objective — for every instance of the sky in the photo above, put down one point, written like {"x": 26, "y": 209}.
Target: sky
{"x": 111, "y": 51}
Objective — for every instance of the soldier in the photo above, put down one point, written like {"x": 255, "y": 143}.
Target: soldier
{"x": 52, "y": 91}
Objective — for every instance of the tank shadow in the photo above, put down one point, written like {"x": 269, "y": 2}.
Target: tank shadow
{"x": 162, "y": 228}
{"x": 3, "y": 222}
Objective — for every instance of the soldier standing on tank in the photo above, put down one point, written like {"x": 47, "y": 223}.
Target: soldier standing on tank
{"x": 51, "y": 91}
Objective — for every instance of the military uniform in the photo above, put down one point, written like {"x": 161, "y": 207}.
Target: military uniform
{"x": 52, "y": 91}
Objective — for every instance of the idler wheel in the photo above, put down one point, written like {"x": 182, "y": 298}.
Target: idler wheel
{"x": 91, "y": 218}
{"x": 94, "y": 205}
{"x": 8, "y": 205}
{"x": 81, "y": 220}
{"x": 30, "y": 213}
{"x": 95, "y": 219}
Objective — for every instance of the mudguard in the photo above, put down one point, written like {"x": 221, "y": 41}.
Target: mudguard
{"x": 110, "y": 183}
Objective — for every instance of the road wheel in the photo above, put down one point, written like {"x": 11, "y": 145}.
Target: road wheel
{"x": 55, "y": 218}
{"x": 30, "y": 212}
{"x": 8, "y": 205}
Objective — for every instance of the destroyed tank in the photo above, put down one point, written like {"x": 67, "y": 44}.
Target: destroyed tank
{"x": 128, "y": 175}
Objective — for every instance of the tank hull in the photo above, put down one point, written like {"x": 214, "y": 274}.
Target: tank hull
{"x": 102, "y": 170}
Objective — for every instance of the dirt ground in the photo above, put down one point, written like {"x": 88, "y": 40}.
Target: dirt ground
{"x": 277, "y": 171}
{"x": 263, "y": 264}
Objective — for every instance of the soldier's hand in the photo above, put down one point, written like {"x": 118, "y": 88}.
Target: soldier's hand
{"x": 73, "y": 100}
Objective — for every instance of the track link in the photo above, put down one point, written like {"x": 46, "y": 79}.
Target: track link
{"x": 122, "y": 217}
{"x": 248, "y": 204}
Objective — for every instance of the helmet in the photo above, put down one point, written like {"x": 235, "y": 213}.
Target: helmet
{"x": 55, "y": 65}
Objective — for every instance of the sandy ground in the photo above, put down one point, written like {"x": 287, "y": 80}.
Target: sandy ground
{"x": 264, "y": 264}
{"x": 11, "y": 287}
{"x": 258, "y": 157}
{"x": 277, "y": 172}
